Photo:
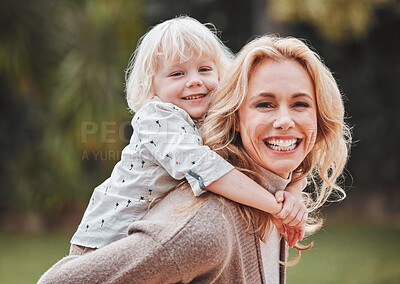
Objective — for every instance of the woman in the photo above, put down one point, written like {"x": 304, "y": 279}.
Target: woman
{"x": 277, "y": 113}
{"x": 290, "y": 120}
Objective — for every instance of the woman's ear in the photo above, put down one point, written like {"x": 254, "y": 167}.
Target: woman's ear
{"x": 237, "y": 128}
{"x": 236, "y": 136}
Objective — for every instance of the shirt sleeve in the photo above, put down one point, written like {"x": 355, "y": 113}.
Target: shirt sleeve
{"x": 172, "y": 138}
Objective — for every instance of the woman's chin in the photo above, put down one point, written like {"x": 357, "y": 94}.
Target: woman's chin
{"x": 282, "y": 166}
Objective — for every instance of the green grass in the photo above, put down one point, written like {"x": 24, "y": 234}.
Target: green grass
{"x": 350, "y": 254}
{"x": 24, "y": 257}
{"x": 341, "y": 254}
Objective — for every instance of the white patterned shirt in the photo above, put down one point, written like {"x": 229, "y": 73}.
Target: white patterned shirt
{"x": 165, "y": 147}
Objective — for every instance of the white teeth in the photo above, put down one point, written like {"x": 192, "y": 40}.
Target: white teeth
{"x": 194, "y": 97}
{"x": 280, "y": 144}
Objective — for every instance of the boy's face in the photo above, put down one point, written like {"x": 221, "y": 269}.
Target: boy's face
{"x": 187, "y": 85}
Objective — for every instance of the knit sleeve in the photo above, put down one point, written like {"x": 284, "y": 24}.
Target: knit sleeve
{"x": 135, "y": 259}
{"x": 172, "y": 138}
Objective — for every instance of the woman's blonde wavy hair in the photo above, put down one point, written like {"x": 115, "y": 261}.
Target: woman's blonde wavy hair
{"x": 175, "y": 40}
{"x": 326, "y": 161}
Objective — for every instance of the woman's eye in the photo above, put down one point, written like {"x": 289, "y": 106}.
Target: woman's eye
{"x": 264, "y": 105}
{"x": 301, "y": 104}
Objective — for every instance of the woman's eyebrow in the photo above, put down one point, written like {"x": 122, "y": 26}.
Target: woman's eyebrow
{"x": 261, "y": 95}
{"x": 266, "y": 95}
{"x": 301, "y": 95}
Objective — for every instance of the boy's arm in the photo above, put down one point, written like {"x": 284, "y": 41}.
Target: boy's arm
{"x": 238, "y": 187}
{"x": 169, "y": 134}
{"x": 297, "y": 187}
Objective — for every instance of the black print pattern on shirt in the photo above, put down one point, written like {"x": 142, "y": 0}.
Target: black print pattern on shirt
{"x": 107, "y": 189}
{"x": 102, "y": 222}
{"x": 152, "y": 142}
{"x": 158, "y": 123}
{"x": 129, "y": 202}
{"x": 131, "y": 167}
{"x": 87, "y": 227}
{"x": 183, "y": 128}
{"x": 116, "y": 205}
{"x": 143, "y": 163}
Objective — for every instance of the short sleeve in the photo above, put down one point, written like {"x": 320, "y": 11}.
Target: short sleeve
{"x": 172, "y": 138}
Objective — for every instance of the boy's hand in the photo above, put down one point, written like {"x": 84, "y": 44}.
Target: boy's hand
{"x": 290, "y": 221}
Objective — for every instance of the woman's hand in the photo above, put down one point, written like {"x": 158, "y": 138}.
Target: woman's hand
{"x": 291, "y": 234}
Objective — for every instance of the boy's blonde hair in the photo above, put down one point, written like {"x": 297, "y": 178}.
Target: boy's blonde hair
{"x": 325, "y": 163}
{"x": 175, "y": 40}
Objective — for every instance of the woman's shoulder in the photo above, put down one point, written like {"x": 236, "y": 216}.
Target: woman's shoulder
{"x": 179, "y": 213}
{"x": 208, "y": 236}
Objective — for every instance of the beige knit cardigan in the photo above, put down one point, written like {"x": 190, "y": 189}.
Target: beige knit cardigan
{"x": 206, "y": 243}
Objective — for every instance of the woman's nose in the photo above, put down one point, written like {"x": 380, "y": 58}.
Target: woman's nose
{"x": 283, "y": 120}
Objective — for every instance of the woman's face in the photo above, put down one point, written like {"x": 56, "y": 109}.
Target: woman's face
{"x": 278, "y": 119}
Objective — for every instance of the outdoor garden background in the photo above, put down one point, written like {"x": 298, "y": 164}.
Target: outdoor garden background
{"x": 64, "y": 119}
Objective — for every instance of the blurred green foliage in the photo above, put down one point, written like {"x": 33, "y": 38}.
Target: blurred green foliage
{"x": 61, "y": 64}
{"x": 63, "y": 115}
{"x": 335, "y": 19}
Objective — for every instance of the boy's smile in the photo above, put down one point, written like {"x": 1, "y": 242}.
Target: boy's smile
{"x": 187, "y": 85}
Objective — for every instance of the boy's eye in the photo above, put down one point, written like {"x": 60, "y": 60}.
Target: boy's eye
{"x": 204, "y": 69}
{"x": 264, "y": 105}
{"x": 177, "y": 73}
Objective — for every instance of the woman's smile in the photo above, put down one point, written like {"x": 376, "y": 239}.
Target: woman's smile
{"x": 281, "y": 144}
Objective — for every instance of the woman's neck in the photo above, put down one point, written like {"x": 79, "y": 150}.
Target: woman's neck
{"x": 273, "y": 181}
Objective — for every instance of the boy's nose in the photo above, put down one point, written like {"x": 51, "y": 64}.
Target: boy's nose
{"x": 194, "y": 81}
